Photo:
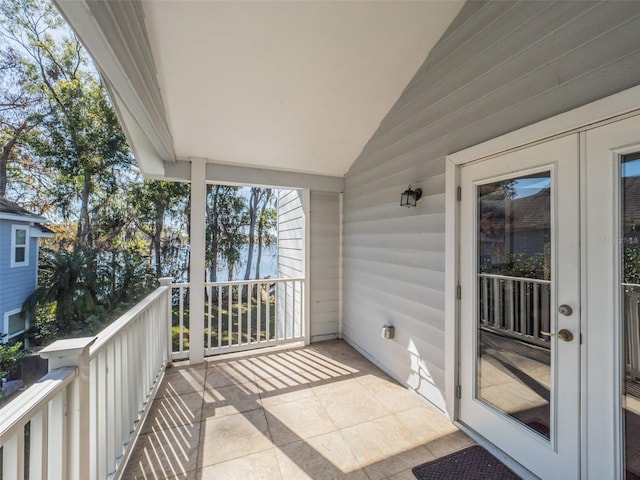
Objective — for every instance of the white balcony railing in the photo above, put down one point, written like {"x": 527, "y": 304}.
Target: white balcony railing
{"x": 79, "y": 421}
{"x": 631, "y": 312}
{"x": 515, "y": 307}
{"x": 241, "y": 315}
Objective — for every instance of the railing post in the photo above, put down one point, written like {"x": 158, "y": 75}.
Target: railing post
{"x": 74, "y": 352}
{"x": 196, "y": 260}
{"x": 167, "y": 282}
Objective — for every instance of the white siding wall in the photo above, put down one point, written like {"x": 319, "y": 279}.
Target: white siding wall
{"x": 324, "y": 255}
{"x": 500, "y": 66}
{"x": 291, "y": 254}
{"x": 325, "y": 265}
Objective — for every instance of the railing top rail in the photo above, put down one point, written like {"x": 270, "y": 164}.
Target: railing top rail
{"x": 121, "y": 323}
{"x": 242, "y": 282}
{"x": 17, "y": 413}
{"x": 630, "y": 284}
{"x": 520, "y": 279}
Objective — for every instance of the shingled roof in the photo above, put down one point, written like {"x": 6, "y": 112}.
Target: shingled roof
{"x": 7, "y": 206}
{"x": 11, "y": 209}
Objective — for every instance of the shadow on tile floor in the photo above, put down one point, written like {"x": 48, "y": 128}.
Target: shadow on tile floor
{"x": 317, "y": 412}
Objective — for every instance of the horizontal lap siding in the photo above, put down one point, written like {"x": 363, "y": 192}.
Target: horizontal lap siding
{"x": 325, "y": 265}
{"x": 16, "y": 283}
{"x": 500, "y": 66}
{"x": 290, "y": 234}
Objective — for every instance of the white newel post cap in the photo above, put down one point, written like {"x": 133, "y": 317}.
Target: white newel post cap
{"x": 67, "y": 352}
{"x": 165, "y": 281}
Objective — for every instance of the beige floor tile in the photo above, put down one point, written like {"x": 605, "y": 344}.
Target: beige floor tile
{"x": 170, "y": 453}
{"x": 233, "y": 436}
{"x": 393, "y": 396}
{"x": 352, "y": 404}
{"x": 172, "y": 411}
{"x": 258, "y": 466}
{"x": 294, "y": 421}
{"x": 231, "y": 399}
{"x": 184, "y": 380}
{"x": 398, "y": 463}
{"x": 277, "y": 390}
{"x": 378, "y": 376}
{"x": 223, "y": 375}
{"x": 274, "y": 365}
{"x": 424, "y": 424}
{"x": 449, "y": 443}
{"x": 377, "y": 440}
{"x": 337, "y": 386}
{"x": 325, "y": 457}
{"x": 404, "y": 475}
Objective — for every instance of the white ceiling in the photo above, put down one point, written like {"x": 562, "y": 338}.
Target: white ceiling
{"x": 298, "y": 86}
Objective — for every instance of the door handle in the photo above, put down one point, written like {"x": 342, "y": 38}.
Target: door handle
{"x": 564, "y": 335}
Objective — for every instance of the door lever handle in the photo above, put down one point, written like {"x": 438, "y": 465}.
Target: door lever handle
{"x": 564, "y": 335}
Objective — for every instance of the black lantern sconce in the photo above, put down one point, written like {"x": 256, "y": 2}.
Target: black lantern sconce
{"x": 410, "y": 197}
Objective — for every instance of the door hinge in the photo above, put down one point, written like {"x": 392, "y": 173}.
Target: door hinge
{"x": 459, "y": 391}
{"x": 458, "y": 292}
{"x": 459, "y": 194}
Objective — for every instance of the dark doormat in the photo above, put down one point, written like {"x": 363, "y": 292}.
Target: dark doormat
{"x": 473, "y": 463}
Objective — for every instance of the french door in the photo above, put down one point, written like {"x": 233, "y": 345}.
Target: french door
{"x": 520, "y": 308}
{"x": 549, "y": 270}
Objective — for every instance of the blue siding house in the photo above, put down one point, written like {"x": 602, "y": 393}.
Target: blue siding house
{"x": 20, "y": 232}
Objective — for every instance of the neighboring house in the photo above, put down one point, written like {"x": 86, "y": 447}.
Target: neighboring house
{"x": 351, "y": 102}
{"x": 20, "y": 232}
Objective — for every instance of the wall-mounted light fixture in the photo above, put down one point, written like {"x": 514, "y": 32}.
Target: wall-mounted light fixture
{"x": 410, "y": 197}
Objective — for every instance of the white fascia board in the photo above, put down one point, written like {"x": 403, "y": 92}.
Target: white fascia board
{"x": 21, "y": 218}
{"x": 35, "y": 232}
{"x": 143, "y": 119}
{"x": 254, "y": 176}
{"x": 240, "y": 175}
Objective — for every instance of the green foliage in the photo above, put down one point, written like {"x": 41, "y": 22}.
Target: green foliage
{"x": 175, "y": 338}
{"x": 631, "y": 264}
{"x": 10, "y": 356}
{"x": 523, "y": 265}
{"x": 82, "y": 289}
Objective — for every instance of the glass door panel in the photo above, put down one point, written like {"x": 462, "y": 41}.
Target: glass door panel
{"x": 513, "y": 366}
{"x": 630, "y": 309}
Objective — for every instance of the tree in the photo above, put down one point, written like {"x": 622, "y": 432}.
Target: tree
{"x": 226, "y": 218}
{"x": 18, "y": 105}
{"x": 266, "y": 222}
{"x": 155, "y": 201}
{"x": 77, "y": 136}
{"x": 259, "y": 201}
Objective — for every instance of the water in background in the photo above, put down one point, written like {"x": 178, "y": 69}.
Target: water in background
{"x": 268, "y": 264}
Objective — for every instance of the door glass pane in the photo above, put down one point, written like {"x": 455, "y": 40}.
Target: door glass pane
{"x": 514, "y": 298}
{"x": 630, "y": 309}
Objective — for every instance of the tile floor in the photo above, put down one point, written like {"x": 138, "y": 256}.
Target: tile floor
{"x": 317, "y": 412}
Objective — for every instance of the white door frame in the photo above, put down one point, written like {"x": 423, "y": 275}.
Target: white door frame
{"x": 600, "y": 112}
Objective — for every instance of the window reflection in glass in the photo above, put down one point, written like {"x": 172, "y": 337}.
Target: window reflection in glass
{"x": 514, "y": 296}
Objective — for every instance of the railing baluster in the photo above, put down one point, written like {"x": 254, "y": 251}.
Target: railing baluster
{"x": 12, "y": 457}
{"x": 38, "y": 443}
{"x": 536, "y": 309}
{"x": 181, "y": 320}
{"x": 209, "y": 323}
{"x": 240, "y": 295}
{"x": 219, "y": 316}
{"x": 249, "y": 312}
{"x": 268, "y": 313}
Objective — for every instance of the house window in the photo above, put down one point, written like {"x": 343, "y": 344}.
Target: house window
{"x": 19, "y": 246}
{"x": 15, "y": 323}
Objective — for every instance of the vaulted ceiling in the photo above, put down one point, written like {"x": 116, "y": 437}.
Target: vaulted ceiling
{"x": 293, "y": 86}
